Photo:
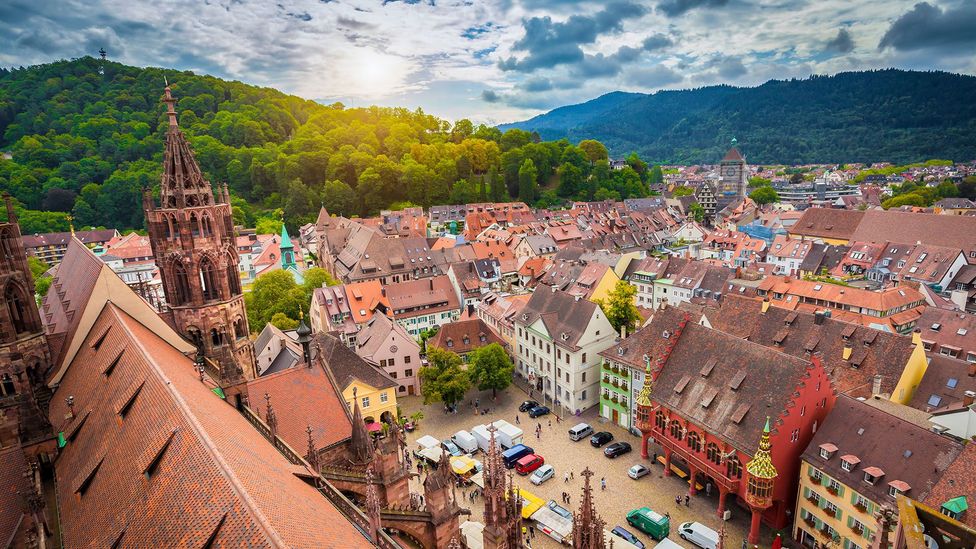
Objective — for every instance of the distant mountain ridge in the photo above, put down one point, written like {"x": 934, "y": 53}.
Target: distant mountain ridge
{"x": 870, "y": 116}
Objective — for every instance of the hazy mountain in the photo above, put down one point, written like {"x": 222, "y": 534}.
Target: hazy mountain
{"x": 887, "y": 115}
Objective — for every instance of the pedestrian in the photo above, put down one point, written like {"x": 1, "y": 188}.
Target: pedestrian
{"x": 744, "y": 544}
{"x": 568, "y": 500}
{"x": 565, "y": 478}
{"x": 557, "y": 420}
{"x": 571, "y": 476}
{"x": 538, "y": 435}
{"x": 655, "y": 458}
{"x": 550, "y": 423}
{"x": 603, "y": 483}
{"x": 667, "y": 515}
{"x": 677, "y": 500}
{"x": 708, "y": 489}
{"x": 477, "y": 402}
{"x": 517, "y": 422}
{"x": 531, "y": 393}
{"x": 687, "y": 499}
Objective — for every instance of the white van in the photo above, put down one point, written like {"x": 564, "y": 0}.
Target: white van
{"x": 465, "y": 441}
{"x": 580, "y": 431}
{"x": 664, "y": 544}
{"x": 699, "y": 534}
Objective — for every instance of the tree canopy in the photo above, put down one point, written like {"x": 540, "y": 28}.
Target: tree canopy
{"x": 275, "y": 297}
{"x": 490, "y": 368}
{"x": 764, "y": 195}
{"x": 85, "y": 143}
{"x": 443, "y": 379}
{"x": 619, "y": 306}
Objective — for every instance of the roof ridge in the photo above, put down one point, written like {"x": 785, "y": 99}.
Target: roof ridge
{"x": 199, "y": 430}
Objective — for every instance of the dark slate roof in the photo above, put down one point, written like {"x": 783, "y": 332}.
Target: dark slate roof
{"x": 903, "y": 450}
{"x": 62, "y": 239}
{"x": 346, "y": 365}
{"x": 12, "y": 480}
{"x": 561, "y": 312}
{"x": 796, "y": 333}
{"x": 944, "y": 383}
{"x": 952, "y": 231}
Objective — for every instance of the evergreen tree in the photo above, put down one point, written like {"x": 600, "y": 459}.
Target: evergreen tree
{"x": 527, "y": 181}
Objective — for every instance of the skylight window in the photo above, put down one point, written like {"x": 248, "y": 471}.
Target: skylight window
{"x": 934, "y": 400}
{"x": 952, "y": 382}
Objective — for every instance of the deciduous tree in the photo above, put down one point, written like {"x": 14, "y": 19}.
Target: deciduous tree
{"x": 490, "y": 368}
{"x": 443, "y": 379}
{"x": 619, "y": 306}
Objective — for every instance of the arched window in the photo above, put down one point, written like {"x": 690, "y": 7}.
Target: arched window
{"x": 168, "y": 228}
{"x": 233, "y": 277}
{"x": 240, "y": 331}
{"x": 676, "y": 431}
{"x": 207, "y": 226}
{"x": 195, "y": 336}
{"x": 17, "y": 309}
{"x": 216, "y": 338}
{"x": 6, "y": 246}
{"x": 194, "y": 225}
{"x": 660, "y": 421}
{"x": 7, "y": 386}
{"x": 734, "y": 468}
{"x": 694, "y": 442}
{"x": 208, "y": 280}
{"x": 181, "y": 285}
{"x": 713, "y": 453}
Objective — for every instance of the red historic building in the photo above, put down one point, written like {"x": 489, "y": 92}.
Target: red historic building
{"x": 192, "y": 238}
{"x": 728, "y": 412}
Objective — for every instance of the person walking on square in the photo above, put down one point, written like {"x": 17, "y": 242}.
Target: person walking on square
{"x": 687, "y": 499}
{"x": 603, "y": 483}
{"x": 565, "y": 478}
{"x": 517, "y": 422}
{"x": 677, "y": 500}
{"x": 571, "y": 476}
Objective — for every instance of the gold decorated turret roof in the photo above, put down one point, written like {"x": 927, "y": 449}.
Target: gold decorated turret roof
{"x": 761, "y": 465}
{"x": 644, "y": 396}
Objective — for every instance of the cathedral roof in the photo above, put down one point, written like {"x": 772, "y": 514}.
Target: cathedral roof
{"x": 733, "y": 155}
{"x": 182, "y": 182}
{"x": 175, "y": 461}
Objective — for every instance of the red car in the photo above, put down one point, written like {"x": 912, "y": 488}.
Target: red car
{"x": 529, "y": 463}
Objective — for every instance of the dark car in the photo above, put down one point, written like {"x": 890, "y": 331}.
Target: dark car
{"x": 538, "y": 411}
{"x": 621, "y": 533}
{"x": 528, "y": 405}
{"x": 616, "y": 449}
{"x": 601, "y": 438}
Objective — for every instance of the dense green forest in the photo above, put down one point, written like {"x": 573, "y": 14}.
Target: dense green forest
{"x": 873, "y": 116}
{"x": 82, "y": 137}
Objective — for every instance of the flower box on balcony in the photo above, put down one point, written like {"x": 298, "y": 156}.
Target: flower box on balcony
{"x": 814, "y": 480}
{"x": 810, "y": 520}
{"x": 613, "y": 399}
{"x": 606, "y": 380}
{"x": 830, "y": 512}
{"x": 813, "y": 500}
{"x": 858, "y": 529}
{"x": 832, "y": 490}
{"x": 861, "y": 507}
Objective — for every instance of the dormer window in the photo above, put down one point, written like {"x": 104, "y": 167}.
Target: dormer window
{"x": 827, "y": 450}
{"x": 849, "y": 462}
{"x": 896, "y": 487}
{"x": 872, "y": 475}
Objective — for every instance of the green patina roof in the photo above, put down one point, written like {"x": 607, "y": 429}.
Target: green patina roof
{"x": 219, "y": 392}
{"x": 957, "y": 504}
{"x": 285, "y": 239}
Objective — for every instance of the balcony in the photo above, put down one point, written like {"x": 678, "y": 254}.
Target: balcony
{"x": 832, "y": 489}
{"x": 815, "y": 480}
{"x": 832, "y": 513}
{"x": 861, "y": 507}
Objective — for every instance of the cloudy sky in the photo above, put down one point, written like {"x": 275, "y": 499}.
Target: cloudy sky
{"x": 495, "y": 60}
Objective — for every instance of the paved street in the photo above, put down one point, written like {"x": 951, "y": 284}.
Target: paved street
{"x": 622, "y": 493}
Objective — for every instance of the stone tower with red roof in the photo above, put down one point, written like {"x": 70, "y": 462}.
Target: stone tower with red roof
{"x": 733, "y": 177}
{"x": 193, "y": 241}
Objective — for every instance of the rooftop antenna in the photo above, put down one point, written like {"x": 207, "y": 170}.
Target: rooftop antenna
{"x": 102, "y": 53}
{"x": 101, "y": 68}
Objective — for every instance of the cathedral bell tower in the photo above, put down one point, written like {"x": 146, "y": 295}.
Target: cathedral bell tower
{"x": 193, "y": 241}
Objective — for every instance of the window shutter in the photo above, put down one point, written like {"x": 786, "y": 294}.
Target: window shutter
{"x": 839, "y": 514}
{"x": 806, "y": 492}
{"x": 847, "y": 543}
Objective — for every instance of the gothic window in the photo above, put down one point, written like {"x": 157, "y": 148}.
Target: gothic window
{"x": 17, "y": 309}
{"x": 713, "y": 453}
{"x": 195, "y": 336}
{"x": 233, "y": 277}
{"x": 207, "y": 226}
{"x": 194, "y": 225}
{"x": 208, "y": 280}
{"x": 734, "y": 468}
{"x": 7, "y": 386}
{"x": 694, "y": 442}
{"x": 6, "y": 246}
{"x": 660, "y": 421}
{"x": 216, "y": 338}
{"x": 239, "y": 330}
{"x": 168, "y": 227}
{"x": 676, "y": 431}
{"x": 181, "y": 285}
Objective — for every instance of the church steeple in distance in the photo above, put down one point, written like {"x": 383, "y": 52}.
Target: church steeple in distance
{"x": 194, "y": 244}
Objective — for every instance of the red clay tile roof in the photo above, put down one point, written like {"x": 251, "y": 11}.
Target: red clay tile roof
{"x": 302, "y": 397}
{"x": 884, "y": 443}
{"x": 733, "y": 154}
{"x": 957, "y": 480}
{"x": 409, "y": 297}
{"x": 953, "y": 231}
{"x": 456, "y": 332}
{"x": 886, "y": 355}
{"x": 12, "y": 468}
{"x": 346, "y": 366}
{"x": 171, "y": 463}
{"x": 828, "y": 223}
{"x": 70, "y": 289}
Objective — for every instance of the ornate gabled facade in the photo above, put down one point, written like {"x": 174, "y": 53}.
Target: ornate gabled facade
{"x": 588, "y": 527}
{"x": 503, "y": 507}
{"x": 24, "y": 353}
{"x": 192, "y": 238}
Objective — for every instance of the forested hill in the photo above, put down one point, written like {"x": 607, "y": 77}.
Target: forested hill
{"x": 84, "y": 136}
{"x": 886, "y": 115}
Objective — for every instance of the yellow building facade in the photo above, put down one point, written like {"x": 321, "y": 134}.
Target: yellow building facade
{"x": 827, "y": 509}
{"x": 911, "y": 376}
{"x": 376, "y": 404}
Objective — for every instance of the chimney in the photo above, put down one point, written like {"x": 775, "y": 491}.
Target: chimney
{"x": 968, "y": 398}
{"x": 818, "y": 318}
{"x": 383, "y": 292}
{"x": 623, "y": 332}
{"x": 876, "y": 385}
{"x": 431, "y": 282}
{"x": 972, "y": 369}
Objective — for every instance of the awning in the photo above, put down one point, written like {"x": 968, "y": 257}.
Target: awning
{"x": 462, "y": 465}
{"x": 478, "y": 479}
{"x": 374, "y": 427}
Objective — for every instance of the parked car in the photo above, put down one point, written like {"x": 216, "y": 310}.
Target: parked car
{"x": 638, "y": 471}
{"x": 538, "y": 411}
{"x": 620, "y": 532}
{"x": 601, "y": 438}
{"x": 651, "y": 523}
{"x": 527, "y": 405}
{"x": 616, "y": 449}
{"x": 699, "y": 534}
{"x": 451, "y": 448}
{"x": 542, "y": 474}
{"x": 529, "y": 463}
{"x": 579, "y": 431}
{"x": 511, "y": 456}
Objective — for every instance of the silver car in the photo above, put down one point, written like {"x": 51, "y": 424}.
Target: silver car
{"x": 542, "y": 474}
{"x": 638, "y": 471}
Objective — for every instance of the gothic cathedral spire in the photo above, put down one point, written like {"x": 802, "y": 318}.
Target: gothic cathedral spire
{"x": 194, "y": 244}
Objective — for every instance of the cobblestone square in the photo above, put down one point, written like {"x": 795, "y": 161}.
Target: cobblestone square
{"x": 622, "y": 494}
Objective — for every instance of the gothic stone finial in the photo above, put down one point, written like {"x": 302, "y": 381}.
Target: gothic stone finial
{"x": 170, "y": 109}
